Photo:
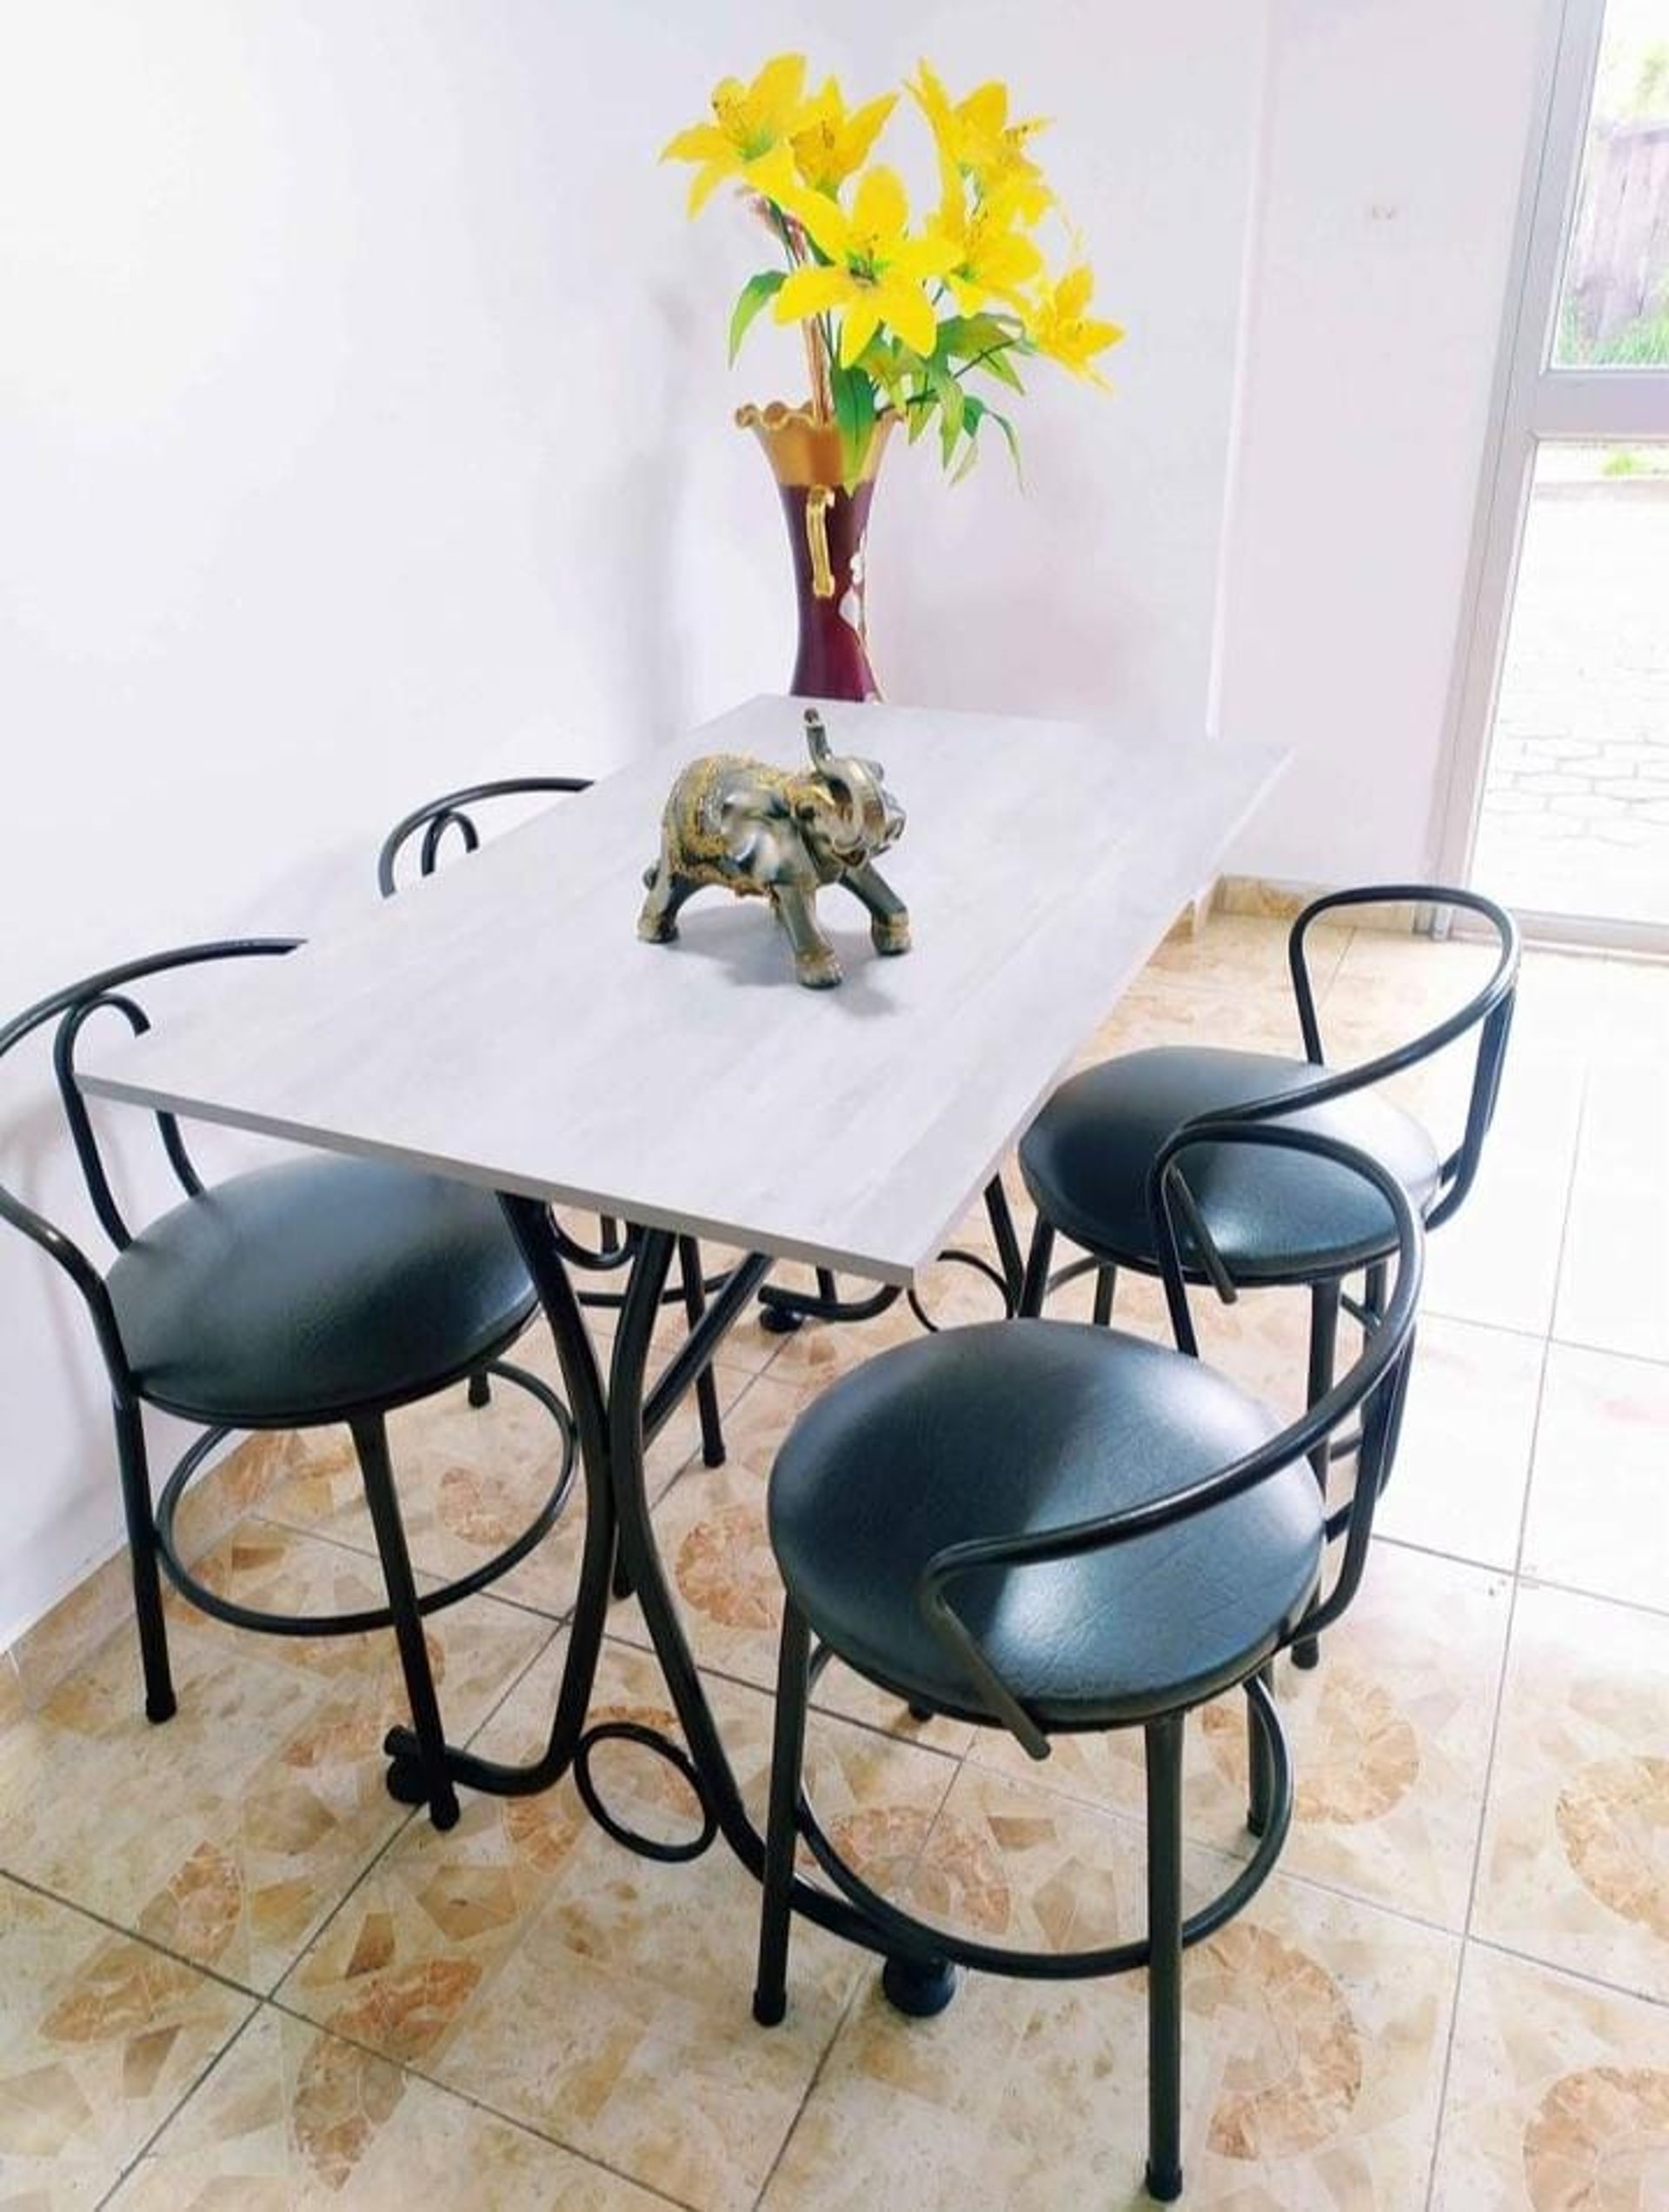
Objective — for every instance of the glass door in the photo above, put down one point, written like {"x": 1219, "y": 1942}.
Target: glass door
{"x": 1562, "y": 741}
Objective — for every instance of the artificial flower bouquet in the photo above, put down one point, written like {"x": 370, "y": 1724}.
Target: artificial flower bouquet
{"x": 897, "y": 319}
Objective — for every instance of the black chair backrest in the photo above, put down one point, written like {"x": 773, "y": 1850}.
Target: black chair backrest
{"x": 1489, "y": 1011}
{"x": 65, "y": 1013}
{"x": 431, "y": 821}
{"x": 1374, "y": 1386}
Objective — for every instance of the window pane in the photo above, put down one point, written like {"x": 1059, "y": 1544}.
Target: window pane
{"x": 1576, "y": 802}
{"x": 1614, "y": 309}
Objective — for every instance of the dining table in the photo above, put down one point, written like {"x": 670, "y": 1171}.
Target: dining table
{"x": 501, "y": 1021}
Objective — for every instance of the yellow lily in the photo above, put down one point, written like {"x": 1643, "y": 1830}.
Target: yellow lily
{"x": 976, "y": 135}
{"x": 874, "y": 274}
{"x": 993, "y": 260}
{"x": 1058, "y": 326}
{"x": 750, "y": 120}
{"x": 836, "y": 140}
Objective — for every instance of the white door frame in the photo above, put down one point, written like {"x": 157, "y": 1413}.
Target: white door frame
{"x": 1531, "y": 400}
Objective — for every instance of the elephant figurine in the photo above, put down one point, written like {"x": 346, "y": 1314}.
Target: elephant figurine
{"x": 780, "y": 834}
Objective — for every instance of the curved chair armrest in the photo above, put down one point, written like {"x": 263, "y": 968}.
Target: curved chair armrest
{"x": 450, "y": 811}
{"x": 1489, "y": 1010}
{"x": 69, "y": 1007}
{"x": 1375, "y": 1382}
{"x": 81, "y": 1272}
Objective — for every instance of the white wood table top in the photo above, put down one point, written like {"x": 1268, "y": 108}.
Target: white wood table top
{"x": 501, "y": 1021}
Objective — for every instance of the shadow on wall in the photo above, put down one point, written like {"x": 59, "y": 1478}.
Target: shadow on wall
{"x": 621, "y": 535}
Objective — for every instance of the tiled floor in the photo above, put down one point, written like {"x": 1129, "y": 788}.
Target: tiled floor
{"x": 233, "y": 1973}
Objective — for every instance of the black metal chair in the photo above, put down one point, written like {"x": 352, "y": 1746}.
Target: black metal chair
{"x": 315, "y": 1291}
{"x": 1295, "y": 1224}
{"x": 1054, "y": 1527}
{"x": 427, "y": 826}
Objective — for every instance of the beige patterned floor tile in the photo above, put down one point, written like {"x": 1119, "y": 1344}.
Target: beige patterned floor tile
{"x": 470, "y": 1480}
{"x": 1246, "y": 949}
{"x": 1599, "y": 1516}
{"x": 1497, "y": 1260}
{"x": 100, "y": 2036}
{"x": 1558, "y": 2096}
{"x": 1312, "y": 2043}
{"x": 1419, "y": 979}
{"x": 1613, "y": 1285}
{"x": 1164, "y": 1010}
{"x": 601, "y": 1998}
{"x": 1462, "y": 1460}
{"x": 1389, "y": 1738}
{"x": 74, "y": 1629}
{"x": 820, "y": 1351}
{"x": 1575, "y": 1865}
{"x": 294, "y": 2120}
{"x": 228, "y": 1834}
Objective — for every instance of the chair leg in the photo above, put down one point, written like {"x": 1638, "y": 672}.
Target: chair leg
{"x": 481, "y": 1388}
{"x": 1164, "y": 1746}
{"x": 787, "y": 1750}
{"x": 1324, "y": 1350}
{"x": 1261, "y": 1772}
{"x": 160, "y": 1702}
{"x": 1375, "y": 1288}
{"x": 1035, "y": 1285}
{"x": 372, "y": 1442}
{"x": 707, "y": 1390}
{"x": 1107, "y": 1283}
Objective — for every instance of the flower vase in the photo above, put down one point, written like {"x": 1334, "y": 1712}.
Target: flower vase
{"x": 827, "y": 523}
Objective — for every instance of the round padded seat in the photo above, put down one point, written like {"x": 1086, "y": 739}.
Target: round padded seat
{"x": 303, "y": 1291}
{"x": 1274, "y": 1216}
{"x": 1020, "y": 1426}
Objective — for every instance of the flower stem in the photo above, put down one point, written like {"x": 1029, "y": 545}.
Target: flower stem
{"x": 823, "y": 396}
{"x": 815, "y": 337}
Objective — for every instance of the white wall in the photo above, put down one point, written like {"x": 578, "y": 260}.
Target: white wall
{"x": 364, "y": 427}
{"x": 1392, "y": 162}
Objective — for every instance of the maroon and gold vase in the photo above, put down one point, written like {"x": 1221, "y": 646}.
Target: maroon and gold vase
{"x": 827, "y": 525}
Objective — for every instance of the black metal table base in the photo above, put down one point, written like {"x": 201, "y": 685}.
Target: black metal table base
{"x": 614, "y": 1423}
{"x": 783, "y": 1310}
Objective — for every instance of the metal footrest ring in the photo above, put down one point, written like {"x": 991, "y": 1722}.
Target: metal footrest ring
{"x": 373, "y": 1618}
{"x": 646, "y": 1847}
{"x": 928, "y": 1947}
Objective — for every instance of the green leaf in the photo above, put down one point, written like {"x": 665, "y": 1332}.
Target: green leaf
{"x": 967, "y": 335}
{"x": 754, "y": 295}
{"x": 1000, "y": 366}
{"x": 880, "y": 358}
{"x": 969, "y": 457}
{"x": 1013, "y": 442}
{"x": 949, "y": 394}
{"x": 855, "y": 412}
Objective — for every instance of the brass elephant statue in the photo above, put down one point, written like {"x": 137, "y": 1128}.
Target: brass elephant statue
{"x": 776, "y": 833}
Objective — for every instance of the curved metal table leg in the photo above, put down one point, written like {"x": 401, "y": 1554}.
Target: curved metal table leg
{"x": 613, "y": 1426}
{"x": 534, "y": 1232}
{"x": 783, "y": 1310}
{"x": 630, "y": 1416}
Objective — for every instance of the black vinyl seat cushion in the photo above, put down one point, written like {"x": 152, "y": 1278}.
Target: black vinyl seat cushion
{"x": 1024, "y": 1425}
{"x": 1274, "y": 1216}
{"x": 313, "y": 1287}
